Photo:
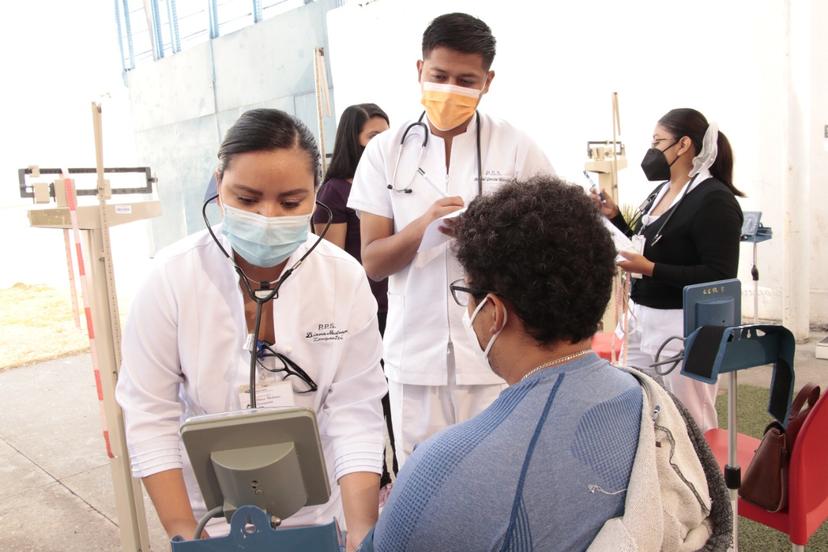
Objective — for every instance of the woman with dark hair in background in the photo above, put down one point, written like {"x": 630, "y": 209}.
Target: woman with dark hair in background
{"x": 188, "y": 340}
{"x": 357, "y": 126}
{"x": 691, "y": 225}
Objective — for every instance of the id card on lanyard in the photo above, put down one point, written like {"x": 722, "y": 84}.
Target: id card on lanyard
{"x": 638, "y": 243}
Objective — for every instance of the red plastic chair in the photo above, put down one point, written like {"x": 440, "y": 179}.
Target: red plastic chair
{"x": 807, "y": 477}
{"x": 604, "y": 342}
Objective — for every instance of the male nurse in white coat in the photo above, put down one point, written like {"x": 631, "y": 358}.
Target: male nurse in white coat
{"x": 407, "y": 179}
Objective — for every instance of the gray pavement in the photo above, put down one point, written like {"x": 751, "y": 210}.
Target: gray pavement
{"x": 55, "y": 486}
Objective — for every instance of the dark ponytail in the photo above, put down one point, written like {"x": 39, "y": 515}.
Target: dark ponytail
{"x": 689, "y": 122}
{"x": 723, "y": 165}
{"x": 267, "y": 130}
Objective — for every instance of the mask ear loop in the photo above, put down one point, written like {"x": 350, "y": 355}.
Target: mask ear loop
{"x": 477, "y": 309}
{"x": 677, "y": 142}
{"x": 491, "y": 342}
{"x": 497, "y": 333}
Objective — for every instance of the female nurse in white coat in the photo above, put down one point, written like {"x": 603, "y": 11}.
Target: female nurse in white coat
{"x": 187, "y": 339}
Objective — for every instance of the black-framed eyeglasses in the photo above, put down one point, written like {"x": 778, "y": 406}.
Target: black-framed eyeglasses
{"x": 460, "y": 292}
{"x": 286, "y": 368}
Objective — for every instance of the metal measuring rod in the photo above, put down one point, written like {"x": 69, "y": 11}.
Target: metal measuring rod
{"x": 606, "y": 158}
{"x": 90, "y": 226}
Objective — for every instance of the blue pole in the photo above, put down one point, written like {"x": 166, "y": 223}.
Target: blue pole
{"x": 128, "y": 28}
{"x": 120, "y": 36}
{"x": 172, "y": 18}
{"x": 257, "y": 11}
{"x": 156, "y": 29}
{"x": 213, "y": 11}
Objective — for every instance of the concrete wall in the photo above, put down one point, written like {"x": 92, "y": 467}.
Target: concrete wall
{"x": 816, "y": 143}
{"x": 758, "y": 70}
{"x": 182, "y": 105}
{"x": 47, "y": 121}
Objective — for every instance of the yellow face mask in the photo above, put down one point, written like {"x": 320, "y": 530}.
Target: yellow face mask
{"x": 449, "y": 106}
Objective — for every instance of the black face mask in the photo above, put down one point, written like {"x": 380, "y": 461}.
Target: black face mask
{"x": 655, "y": 165}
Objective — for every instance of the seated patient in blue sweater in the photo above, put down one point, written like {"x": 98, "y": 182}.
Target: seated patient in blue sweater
{"x": 549, "y": 462}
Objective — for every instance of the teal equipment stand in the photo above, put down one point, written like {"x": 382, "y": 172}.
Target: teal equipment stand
{"x": 250, "y": 531}
{"x": 257, "y": 467}
{"x": 717, "y": 343}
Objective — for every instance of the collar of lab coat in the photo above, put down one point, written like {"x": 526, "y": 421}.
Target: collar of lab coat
{"x": 470, "y": 130}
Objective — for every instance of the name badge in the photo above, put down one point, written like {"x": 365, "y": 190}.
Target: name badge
{"x": 269, "y": 394}
{"x": 638, "y": 242}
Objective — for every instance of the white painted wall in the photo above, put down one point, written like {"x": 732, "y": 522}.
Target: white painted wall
{"x": 817, "y": 143}
{"x": 57, "y": 57}
{"x": 558, "y": 63}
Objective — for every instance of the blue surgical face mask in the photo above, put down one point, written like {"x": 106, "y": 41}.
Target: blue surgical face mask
{"x": 264, "y": 241}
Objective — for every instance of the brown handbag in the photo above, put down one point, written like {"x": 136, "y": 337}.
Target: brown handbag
{"x": 766, "y": 479}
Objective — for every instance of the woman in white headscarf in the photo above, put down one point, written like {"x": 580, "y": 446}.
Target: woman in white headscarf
{"x": 690, "y": 225}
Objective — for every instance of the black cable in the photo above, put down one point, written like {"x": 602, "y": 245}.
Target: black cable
{"x": 479, "y": 159}
{"x": 253, "y": 343}
{"x": 202, "y": 523}
{"x": 675, "y": 360}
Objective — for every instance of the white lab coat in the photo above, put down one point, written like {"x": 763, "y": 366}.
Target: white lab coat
{"x": 183, "y": 355}
{"x": 422, "y": 317}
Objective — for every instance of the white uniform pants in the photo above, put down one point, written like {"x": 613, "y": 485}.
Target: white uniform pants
{"x": 648, "y": 329}
{"x": 420, "y": 411}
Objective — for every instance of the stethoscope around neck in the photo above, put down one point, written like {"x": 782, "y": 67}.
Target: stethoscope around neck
{"x": 268, "y": 290}
{"x": 648, "y": 204}
{"x": 423, "y": 145}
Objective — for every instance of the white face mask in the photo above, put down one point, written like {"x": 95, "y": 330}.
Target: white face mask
{"x": 467, "y": 324}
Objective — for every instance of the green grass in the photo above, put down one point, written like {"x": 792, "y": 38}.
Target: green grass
{"x": 752, "y": 417}
{"x": 37, "y": 324}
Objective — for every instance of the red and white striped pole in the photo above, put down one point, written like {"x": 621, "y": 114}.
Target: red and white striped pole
{"x": 72, "y": 286}
{"x": 86, "y": 295}
{"x": 621, "y": 285}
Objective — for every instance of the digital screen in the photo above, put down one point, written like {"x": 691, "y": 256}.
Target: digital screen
{"x": 751, "y": 223}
